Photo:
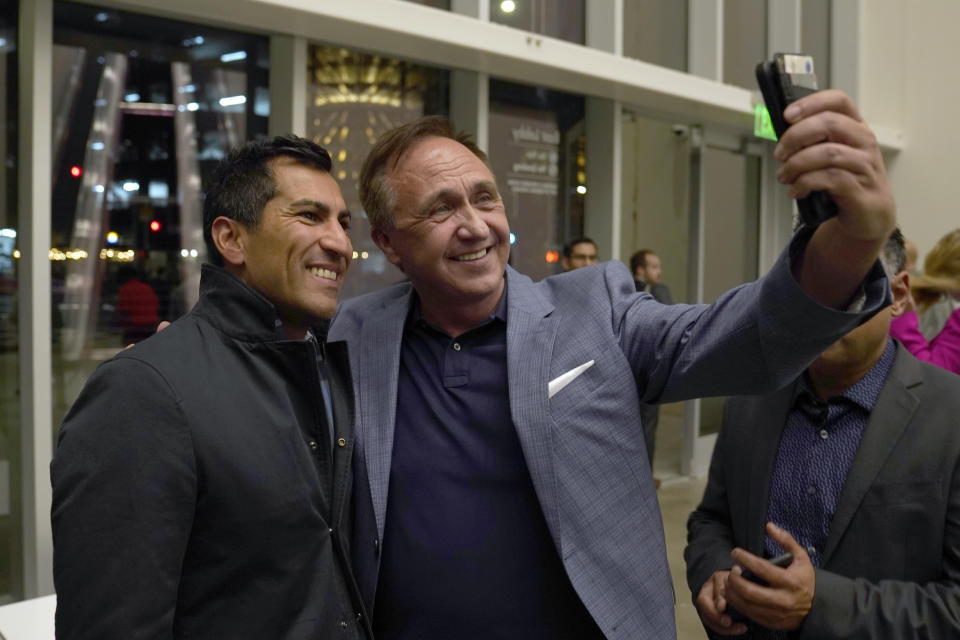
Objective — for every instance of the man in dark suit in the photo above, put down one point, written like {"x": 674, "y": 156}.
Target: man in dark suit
{"x": 202, "y": 483}
{"x": 855, "y": 469}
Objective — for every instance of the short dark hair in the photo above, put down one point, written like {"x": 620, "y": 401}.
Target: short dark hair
{"x": 894, "y": 255}
{"x": 375, "y": 194}
{"x": 568, "y": 248}
{"x": 639, "y": 259}
{"x": 243, "y": 182}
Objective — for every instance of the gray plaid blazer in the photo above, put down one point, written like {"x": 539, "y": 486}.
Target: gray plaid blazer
{"x": 584, "y": 446}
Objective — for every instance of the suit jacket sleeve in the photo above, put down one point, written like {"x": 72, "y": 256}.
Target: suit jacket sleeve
{"x": 710, "y": 536}
{"x": 756, "y": 337}
{"x": 123, "y": 501}
{"x": 892, "y": 609}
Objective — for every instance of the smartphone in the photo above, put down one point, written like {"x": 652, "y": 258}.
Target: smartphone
{"x": 785, "y": 78}
{"x": 782, "y": 561}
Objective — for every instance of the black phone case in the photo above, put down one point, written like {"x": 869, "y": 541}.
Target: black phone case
{"x": 778, "y": 91}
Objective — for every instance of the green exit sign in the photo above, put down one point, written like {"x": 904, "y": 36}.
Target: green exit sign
{"x": 762, "y": 126}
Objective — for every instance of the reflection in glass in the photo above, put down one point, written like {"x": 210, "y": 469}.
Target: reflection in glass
{"x": 656, "y": 32}
{"x": 11, "y": 508}
{"x": 353, "y": 98}
{"x": 538, "y": 152}
{"x": 144, "y": 108}
{"x": 563, "y": 19}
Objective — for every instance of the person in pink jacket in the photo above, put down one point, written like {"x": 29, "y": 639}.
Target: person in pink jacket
{"x": 940, "y": 281}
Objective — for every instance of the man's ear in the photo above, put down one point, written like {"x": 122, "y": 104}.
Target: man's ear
{"x": 382, "y": 240}
{"x": 230, "y": 236}
{"x": 565, "y": 263}
{"x": 900, "y": 289}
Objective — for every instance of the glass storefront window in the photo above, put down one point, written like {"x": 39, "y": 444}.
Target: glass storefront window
{"x": 744, "y": 41}
{"x": 563, "y": 19}
{"x": 352, "y": 98}
{"x": 537, "y": 149}
{"x": 144, "y": 107}
{"x": 656, "y": 32}
{"x": 11, "y": 509}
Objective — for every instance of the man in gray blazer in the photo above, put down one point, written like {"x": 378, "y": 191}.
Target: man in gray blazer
{"x": 499, "y": 418}
{"x": 855, "y": 468}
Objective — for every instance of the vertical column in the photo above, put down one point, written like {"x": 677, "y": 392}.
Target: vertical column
{"x": 784, "y": 23}
{"x": 846, "y": 38}
{"x": 695, "y": 253}
{"x": 783, "y": 26}
{"x": 469, "y": 90}
{"x": 470, "y": 104}
{"x": 604, "y": 129}
{"x": 36, "y": 47}
{"x": 705, "y": 39}
{"x": 288, "y": 85}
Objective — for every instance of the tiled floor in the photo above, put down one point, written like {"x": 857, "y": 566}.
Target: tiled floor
{"x": 678, "y": 497}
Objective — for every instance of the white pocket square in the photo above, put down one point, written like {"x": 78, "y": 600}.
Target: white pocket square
{"x": 564, "y": 379}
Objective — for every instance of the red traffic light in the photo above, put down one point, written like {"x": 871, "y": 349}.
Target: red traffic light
{"x": 155, "y": 225}
{"x": 76, "y": 171}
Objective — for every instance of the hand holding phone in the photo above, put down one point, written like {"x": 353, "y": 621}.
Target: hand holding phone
{"x": 783, "y": 79}
{"x": 781, "y": 561}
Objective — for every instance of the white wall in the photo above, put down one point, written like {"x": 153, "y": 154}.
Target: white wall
{"x": 909, "y": 54}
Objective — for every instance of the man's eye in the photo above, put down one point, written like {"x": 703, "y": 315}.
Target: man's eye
{"x": 440, "y": 209}
{"x": 309, "y": 215}
{"x": 345, "y": 223}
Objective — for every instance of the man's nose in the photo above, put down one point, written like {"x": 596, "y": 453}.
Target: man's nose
{"x": 472, "y": 223}
{"x": 334, "y": 239}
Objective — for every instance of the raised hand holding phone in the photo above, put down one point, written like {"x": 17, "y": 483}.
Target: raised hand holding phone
{"x": 785, "y": 78}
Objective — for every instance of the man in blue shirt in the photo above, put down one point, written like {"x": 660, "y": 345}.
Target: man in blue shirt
{"x": 499, "y": 419}
{"x": 860, "y": 483}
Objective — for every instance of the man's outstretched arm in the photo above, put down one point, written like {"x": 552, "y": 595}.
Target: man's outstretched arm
{"x": 829, "y": 147}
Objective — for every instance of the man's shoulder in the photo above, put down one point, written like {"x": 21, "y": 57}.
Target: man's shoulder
{"x": 595, "y": 281}
{"x": 369, "y": 302}
{"x": 181, "y": 346}
{"x": 928, "y": 381}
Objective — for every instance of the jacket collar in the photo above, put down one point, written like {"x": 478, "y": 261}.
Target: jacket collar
{"x": 240, "y": 311}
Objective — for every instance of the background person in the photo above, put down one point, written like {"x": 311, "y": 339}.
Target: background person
{"x": 647, "y": 275}
{"x": 937, "y": 294}
{"x": 579, "y": 252}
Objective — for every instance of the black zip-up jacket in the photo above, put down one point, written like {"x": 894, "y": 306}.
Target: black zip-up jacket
{"x": 197, "y": 491}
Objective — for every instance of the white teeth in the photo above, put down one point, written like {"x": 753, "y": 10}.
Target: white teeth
{"x": 471, "y": 256}
{"x": 323, "y": 273}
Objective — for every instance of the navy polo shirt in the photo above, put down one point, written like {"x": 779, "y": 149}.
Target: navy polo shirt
{"x": 466, "y": 549}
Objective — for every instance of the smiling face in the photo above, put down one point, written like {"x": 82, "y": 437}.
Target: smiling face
{"x": 299, "y": 251}
{"x": 450, "y": 234}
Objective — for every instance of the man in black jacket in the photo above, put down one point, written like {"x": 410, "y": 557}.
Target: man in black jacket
{"x": 202, "y": 484}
